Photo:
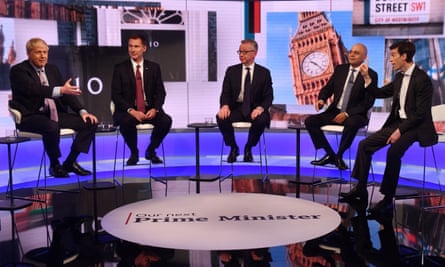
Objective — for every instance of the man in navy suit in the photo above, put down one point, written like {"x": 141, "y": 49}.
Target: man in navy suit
{"x": 245, "y": 100}
{"x": 410, "y": 120}
{"x": 37, "y": 85}
{"x": 349, "y": 109}
{"x": 124, "y": 95}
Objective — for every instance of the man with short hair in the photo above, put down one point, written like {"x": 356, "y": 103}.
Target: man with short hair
{"x": 138, "y": 76}
{"x": 349, "y": 107}
{"x": 44, "y": 99}
{"x": 410, "y": 121}
{"x": 246, "y": 96}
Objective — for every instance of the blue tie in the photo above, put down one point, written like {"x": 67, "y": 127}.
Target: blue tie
{"x": 347, "y": 92}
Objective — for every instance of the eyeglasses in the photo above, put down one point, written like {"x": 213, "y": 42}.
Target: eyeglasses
{"x": 243, "y": 52}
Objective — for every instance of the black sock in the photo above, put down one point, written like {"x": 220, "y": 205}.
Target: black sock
{"x": 54, "y": 162}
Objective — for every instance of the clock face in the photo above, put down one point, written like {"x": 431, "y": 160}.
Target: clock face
{"x": 315, "y": 63}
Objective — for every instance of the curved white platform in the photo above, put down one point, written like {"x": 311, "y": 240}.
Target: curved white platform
{"x": 221, "y": 221}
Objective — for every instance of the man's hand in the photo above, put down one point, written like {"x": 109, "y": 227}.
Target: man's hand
{"x": 224, "y": 112}
{"x": 68, "y": 89}
{"x": 90, "y": 117}
{"x": 256, "y": 112}
{"x": 151, "y": 114}
{"x": 364, "y": 71}
{"x": 340, "y": 118}
{"x": 139, "y": 116}
{"x": 394, "y": 137}
{"x": 319, "y": 105}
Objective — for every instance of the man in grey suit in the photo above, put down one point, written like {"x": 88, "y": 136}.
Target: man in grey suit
{"x": 139, "y": 76}
{"x": 349, "y": 107}
{"x": 36, "y": 86}
{"x": 246, "y": 96}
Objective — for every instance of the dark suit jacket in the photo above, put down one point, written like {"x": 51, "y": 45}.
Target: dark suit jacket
{"x": 261, "y": 93}
{"x": 28, "y": 95}
{"x": 417, "y": 105}
{"x": 360, "y": 100}
{"x": 124, "y": 83}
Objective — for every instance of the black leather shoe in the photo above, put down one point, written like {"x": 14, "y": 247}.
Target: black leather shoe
{"x": 358, "y": 192}
{"x": 385, "y": 206}
{"x": 248, "y": 154}
{"x": 385, "y": 218}
{"x": 341, "y": 165}
{"x": 76, "y": 168}
{"x": 151, "y": 156}
{"x": 234, "y": 152}
{"x": 324, "y": 161}
{"x": 58, "y": 171}
{"x": 133, "y": 160}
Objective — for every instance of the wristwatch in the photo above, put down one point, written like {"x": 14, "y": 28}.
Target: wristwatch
{"x": 129, "y": 110}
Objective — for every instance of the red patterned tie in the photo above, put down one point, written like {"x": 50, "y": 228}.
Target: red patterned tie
{"x": 140, "y": 103}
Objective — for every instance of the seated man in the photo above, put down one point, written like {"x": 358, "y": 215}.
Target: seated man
{"x": 138, "y": 92}
{"x": 410, "y": 121}
{"x": 246, "y": 95}
{"x": 44, "y": 98}
{"x": 349, "y": 107}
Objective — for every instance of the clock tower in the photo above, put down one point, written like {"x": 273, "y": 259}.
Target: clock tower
{"x": 314, "y": 52}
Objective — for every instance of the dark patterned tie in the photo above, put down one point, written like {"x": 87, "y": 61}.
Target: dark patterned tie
{"x": 246, "y": 96}
{"x": 348, "y": 90}
{"x": 140, "y": 103}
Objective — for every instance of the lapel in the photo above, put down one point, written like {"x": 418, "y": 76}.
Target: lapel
{"x": 131, "y": 74}
{"x": 35, "y": 75}
{"x": 145, "y": 74}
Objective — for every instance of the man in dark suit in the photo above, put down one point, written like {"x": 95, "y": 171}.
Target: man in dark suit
{"x": 410, "y": 120}
{"x": 36, "y": 87}
{"x": 246, "y": 96}
{"x": 349, "y": 107}
{"x": 130, "y": 78}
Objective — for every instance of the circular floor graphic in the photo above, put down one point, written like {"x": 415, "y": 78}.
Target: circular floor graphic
{"x": 221, "y": 221}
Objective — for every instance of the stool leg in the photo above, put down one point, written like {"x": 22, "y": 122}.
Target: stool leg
{"x": 266, "y": 177}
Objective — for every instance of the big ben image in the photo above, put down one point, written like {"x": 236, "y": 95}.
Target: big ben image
{"x": 314, "y": 51}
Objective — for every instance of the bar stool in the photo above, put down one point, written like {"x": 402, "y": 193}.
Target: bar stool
{"x": 141, "y": 128}
{"x": 264, "y": 169}
{"x": 64, "y": 132}
{"x": 43, "y": 201}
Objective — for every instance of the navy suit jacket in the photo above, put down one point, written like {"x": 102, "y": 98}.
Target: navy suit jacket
{"x": 261, "y": 91}
{"x": 28, "y": 95}
{"x": 123, "y": 86}
{"x": 360, "y": 100}
{"x": 417, "y": 105}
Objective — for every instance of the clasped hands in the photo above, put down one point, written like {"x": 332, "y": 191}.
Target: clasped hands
{"x": 224, "y": 112}
{"x": 141, "y": 116}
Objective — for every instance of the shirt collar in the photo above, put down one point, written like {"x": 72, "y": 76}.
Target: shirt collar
{"x": 135, "y": 64}
{"x": 251, "y": 66}
{"x": 409, "y": 71}
{"x": 37, "y": 69}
